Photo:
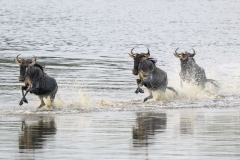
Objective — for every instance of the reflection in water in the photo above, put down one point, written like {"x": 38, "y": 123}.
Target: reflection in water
{"x": 187, "y": 123}
{"x": 33, "y": 135}
{"x": 148, "y": 124}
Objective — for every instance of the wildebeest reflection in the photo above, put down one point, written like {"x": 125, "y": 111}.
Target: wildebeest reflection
{"x": 36, "y": 81}
{"x": 147, "y": 124}
{"x": 187, "y": 121}
{"x": 33, "y": 135}
{"x": 191, "y": 72}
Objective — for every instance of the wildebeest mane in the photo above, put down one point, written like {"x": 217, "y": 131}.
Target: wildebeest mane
{"x": 153, "y": 60}
{"x": 39, "y": 66}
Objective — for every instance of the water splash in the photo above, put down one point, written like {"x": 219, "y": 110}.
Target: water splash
{"x": 82, "y": 101}
{"x": 58, "y": 103}
{"x": 108, "y": 103}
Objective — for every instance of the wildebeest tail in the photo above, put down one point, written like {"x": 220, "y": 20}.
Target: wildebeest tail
{"x": 172, "y": 89}
{"x": 213, "y": 82}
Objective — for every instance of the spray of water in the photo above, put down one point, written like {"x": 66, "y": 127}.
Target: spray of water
{"x": 82, "y": 101}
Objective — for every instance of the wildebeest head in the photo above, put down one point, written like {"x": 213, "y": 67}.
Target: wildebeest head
{"x": 137, "y": 59}
{"x": 24, "y": 64}
{"x": 184, "y": 57}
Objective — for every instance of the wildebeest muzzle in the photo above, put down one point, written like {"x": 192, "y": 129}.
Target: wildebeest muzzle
{"x": 135, "y": 72}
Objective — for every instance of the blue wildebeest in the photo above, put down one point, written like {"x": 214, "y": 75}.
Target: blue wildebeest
{"x": 36, "y": 81}
{"x": 191, "y": 72}
{"x": 153, "y": 78}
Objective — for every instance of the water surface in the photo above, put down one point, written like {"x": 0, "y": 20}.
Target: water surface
{"x": 185, "y": 134}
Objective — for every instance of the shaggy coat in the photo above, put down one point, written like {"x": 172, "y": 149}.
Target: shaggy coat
{"x": 150, "y": 76}
{"x": 36, "y": 81}
{"x": 191, "y": 72}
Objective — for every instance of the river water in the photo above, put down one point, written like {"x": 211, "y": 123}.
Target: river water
{"x": 85, "y": 46}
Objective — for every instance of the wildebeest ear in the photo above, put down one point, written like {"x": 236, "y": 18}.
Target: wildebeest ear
{"x": 176, "y": 55}
{"x": 131, "y": 55}
{"x": 146, "y": 56}
{"x": 16, "y": 61}
{"x": 33, "y": 62}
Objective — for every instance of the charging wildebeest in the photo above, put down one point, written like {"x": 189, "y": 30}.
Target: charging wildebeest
{"x": 150, "y": 76}
{"x": 36, "y": 81}
{"x": 191, "y": 72}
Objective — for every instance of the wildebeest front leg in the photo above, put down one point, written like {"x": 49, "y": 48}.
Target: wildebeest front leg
{"x": 34, "y": 89}
{"x": 181, "y": 79}
{"x": 139, "y": 84}
{"x": 24, "y": 88}
{"x": 21, "y": 102}
{"x": 148, "y": 97}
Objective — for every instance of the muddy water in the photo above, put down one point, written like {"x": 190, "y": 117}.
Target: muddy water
{"x": 85, "y": 46}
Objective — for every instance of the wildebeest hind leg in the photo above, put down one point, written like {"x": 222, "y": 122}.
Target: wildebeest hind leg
{"x": 42, "y": 102}
{"x": 52, "y": 97}
{"x": 148, "y": 97}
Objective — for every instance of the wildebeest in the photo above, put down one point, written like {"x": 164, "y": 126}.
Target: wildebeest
{"x": 150, "y": 76}
{"x": 191, "y": 72}
{"x": 36, "y": 81}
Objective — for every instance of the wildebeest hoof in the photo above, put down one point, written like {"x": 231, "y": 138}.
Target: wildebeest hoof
{"x": 41, "y": 106}
{"x": 145, "y": 99}
{"x": 25, "y": 100}
{"x": 141, "y": 90}
{"x": 21, "y": 102}
{"x": 137, "y": 91}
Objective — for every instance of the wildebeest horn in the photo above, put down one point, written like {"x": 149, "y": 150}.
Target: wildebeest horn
{"x": 147, "y": 55}
{"x": 132, "y": 50}
{"x": 132, "y": 55}
{"x": 33, "y": 62}
{"x": 148, "y": 51}
{"x": 192, "y": 54}
{"x": 17, "y": 60}
{"x": 177, "y": 54}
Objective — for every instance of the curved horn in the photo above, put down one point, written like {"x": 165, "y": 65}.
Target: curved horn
{"x": 132, "y": 55}
{"x": 132, "y": 50}
{"x": 33, "y": 62}
{"x": 17, "y": 60}
{"x": 147, "y": 55}
{"x": 148, "y": 51}
{"x": 177, "y": 54}
{"x": 192, "y": 54}
{"x": 176, "y": 51}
